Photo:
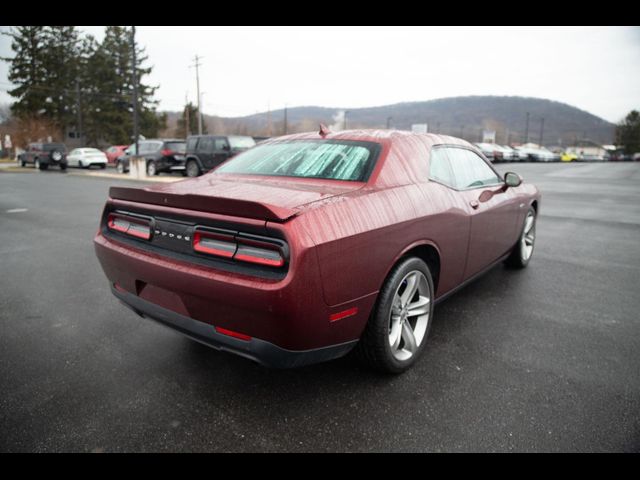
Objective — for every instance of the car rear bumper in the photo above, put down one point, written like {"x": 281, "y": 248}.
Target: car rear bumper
{"x": 263, "y": 352}
{"x": 288, "y": 313}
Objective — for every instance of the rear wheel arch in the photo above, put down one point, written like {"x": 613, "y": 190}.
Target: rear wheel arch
{"x": 534, "y": 204}
{"x": 425, "y": 250}
{"x": 195, "y": 159}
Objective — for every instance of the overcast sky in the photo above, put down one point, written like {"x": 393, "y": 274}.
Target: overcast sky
{"x": 247, "y": 69}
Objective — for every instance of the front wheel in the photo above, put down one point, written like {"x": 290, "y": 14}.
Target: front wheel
{"x": 396, "y": 333}
{"x": 63, "y": 166}
{"x": 522, "y": 252}
{"x": 120, "y": 167}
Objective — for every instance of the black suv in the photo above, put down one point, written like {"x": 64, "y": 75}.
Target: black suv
{"x": 41, "y": 155}
{"x": 205, "y": 152}
{"x": 162, "y": 155}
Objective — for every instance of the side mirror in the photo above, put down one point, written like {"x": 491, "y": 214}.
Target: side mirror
{"x": 512, "y": 179}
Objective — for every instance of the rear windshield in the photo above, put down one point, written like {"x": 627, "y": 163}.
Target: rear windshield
{"x": 48, "y": 147}
{"x": 241, "y": 142}
{"x": 178, "y": 147}
{"x": 330, "y": 159}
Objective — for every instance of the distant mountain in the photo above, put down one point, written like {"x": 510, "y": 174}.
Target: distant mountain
{"x": 459, "y": 116}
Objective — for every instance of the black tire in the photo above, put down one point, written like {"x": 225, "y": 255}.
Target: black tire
{"x": 44, "y": 166}
{"x": 374, "y": 349}
{"x": 103, "y": 166}
{"x": 518, "y": 258}
{"x": 120, "y": 167}
{"x": 63, "y": 166}
{"x": 152, "y": 168}
{"x": 23, "y": 163}
{"x": 192, "y": 169}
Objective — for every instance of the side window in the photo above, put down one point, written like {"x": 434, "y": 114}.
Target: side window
{"x": 205, "y": 145}
{"x": 470, "y": 170}
{"x": 440, "y": 167}
{"x": 460, "y": 168}
{"x": 191, "y": 143}
{"x": 220, "y": 144}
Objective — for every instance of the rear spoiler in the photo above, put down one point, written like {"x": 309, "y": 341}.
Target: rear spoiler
{"x": 204, "y": 203}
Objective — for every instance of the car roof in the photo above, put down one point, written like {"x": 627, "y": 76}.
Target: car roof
{"x": 399, "y": 165}
{"x": 379, "y": 136}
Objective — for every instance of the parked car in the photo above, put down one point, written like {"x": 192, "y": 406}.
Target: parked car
{"x": 508, "y": 153}
{"x": 205, "y": 152}
{"x": 538, "y": 154}
{"x": 114, "y": 152}
{"x": 568, "y": 157}
{"x": 306, "y": 246}
{"x": 489, "y": 151}
{"x": 161, "y": 155}
{"x": 44, "y": 155}
{"x": 593, "y": 157}
{"x": 86, "y": 158}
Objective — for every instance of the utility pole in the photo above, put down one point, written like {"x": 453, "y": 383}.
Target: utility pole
{"x": 135, "y": 87}
{"x": 197, "y": 64}
{"x": 526, "y": 130}
{"x": 541, "y": 130}
{"x": 389, "y": 122}
{"x": 79, "y": 112}
{"x": 187, "y": 123}
{"x": 462, "y": 132}
{"x": 285, "y": 119}
{"x": 345, "y": 119}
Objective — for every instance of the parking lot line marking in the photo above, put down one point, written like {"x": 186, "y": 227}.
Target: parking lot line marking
{"x": 17, "y": 210}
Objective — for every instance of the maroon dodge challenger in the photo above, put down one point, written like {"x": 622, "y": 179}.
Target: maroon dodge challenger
{"x": 306, "y": 246}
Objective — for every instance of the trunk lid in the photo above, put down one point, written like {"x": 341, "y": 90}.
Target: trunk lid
{"x": 264, "y": 198}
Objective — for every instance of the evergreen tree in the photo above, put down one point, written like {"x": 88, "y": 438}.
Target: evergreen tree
{"x": 628, "y": 133}
{"x": 44, "y": 68}
{"x": 66, "y": 80}
{"x": 190, "y": 112}
{"x": 61, "y": 64}
{"x": 27, "y": 69}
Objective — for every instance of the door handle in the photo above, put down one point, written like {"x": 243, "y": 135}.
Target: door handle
{"x": 474, "y": 204}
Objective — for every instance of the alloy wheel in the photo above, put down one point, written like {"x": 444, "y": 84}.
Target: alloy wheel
{"x": 409, "y": 316}
{"x": 528, "y": 236}
{"x": 192, "y": 169}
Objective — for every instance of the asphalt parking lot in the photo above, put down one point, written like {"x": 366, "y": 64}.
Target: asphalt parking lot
{"x": 545, "y": 359}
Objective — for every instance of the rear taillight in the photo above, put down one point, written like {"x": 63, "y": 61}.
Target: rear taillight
{"x": 133, "y": 226}
{"x": 259, "y": 252}
{"x": 167, "y": 152}
{"x": 241, "y": 247}
{"x": 213, "y": 243}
